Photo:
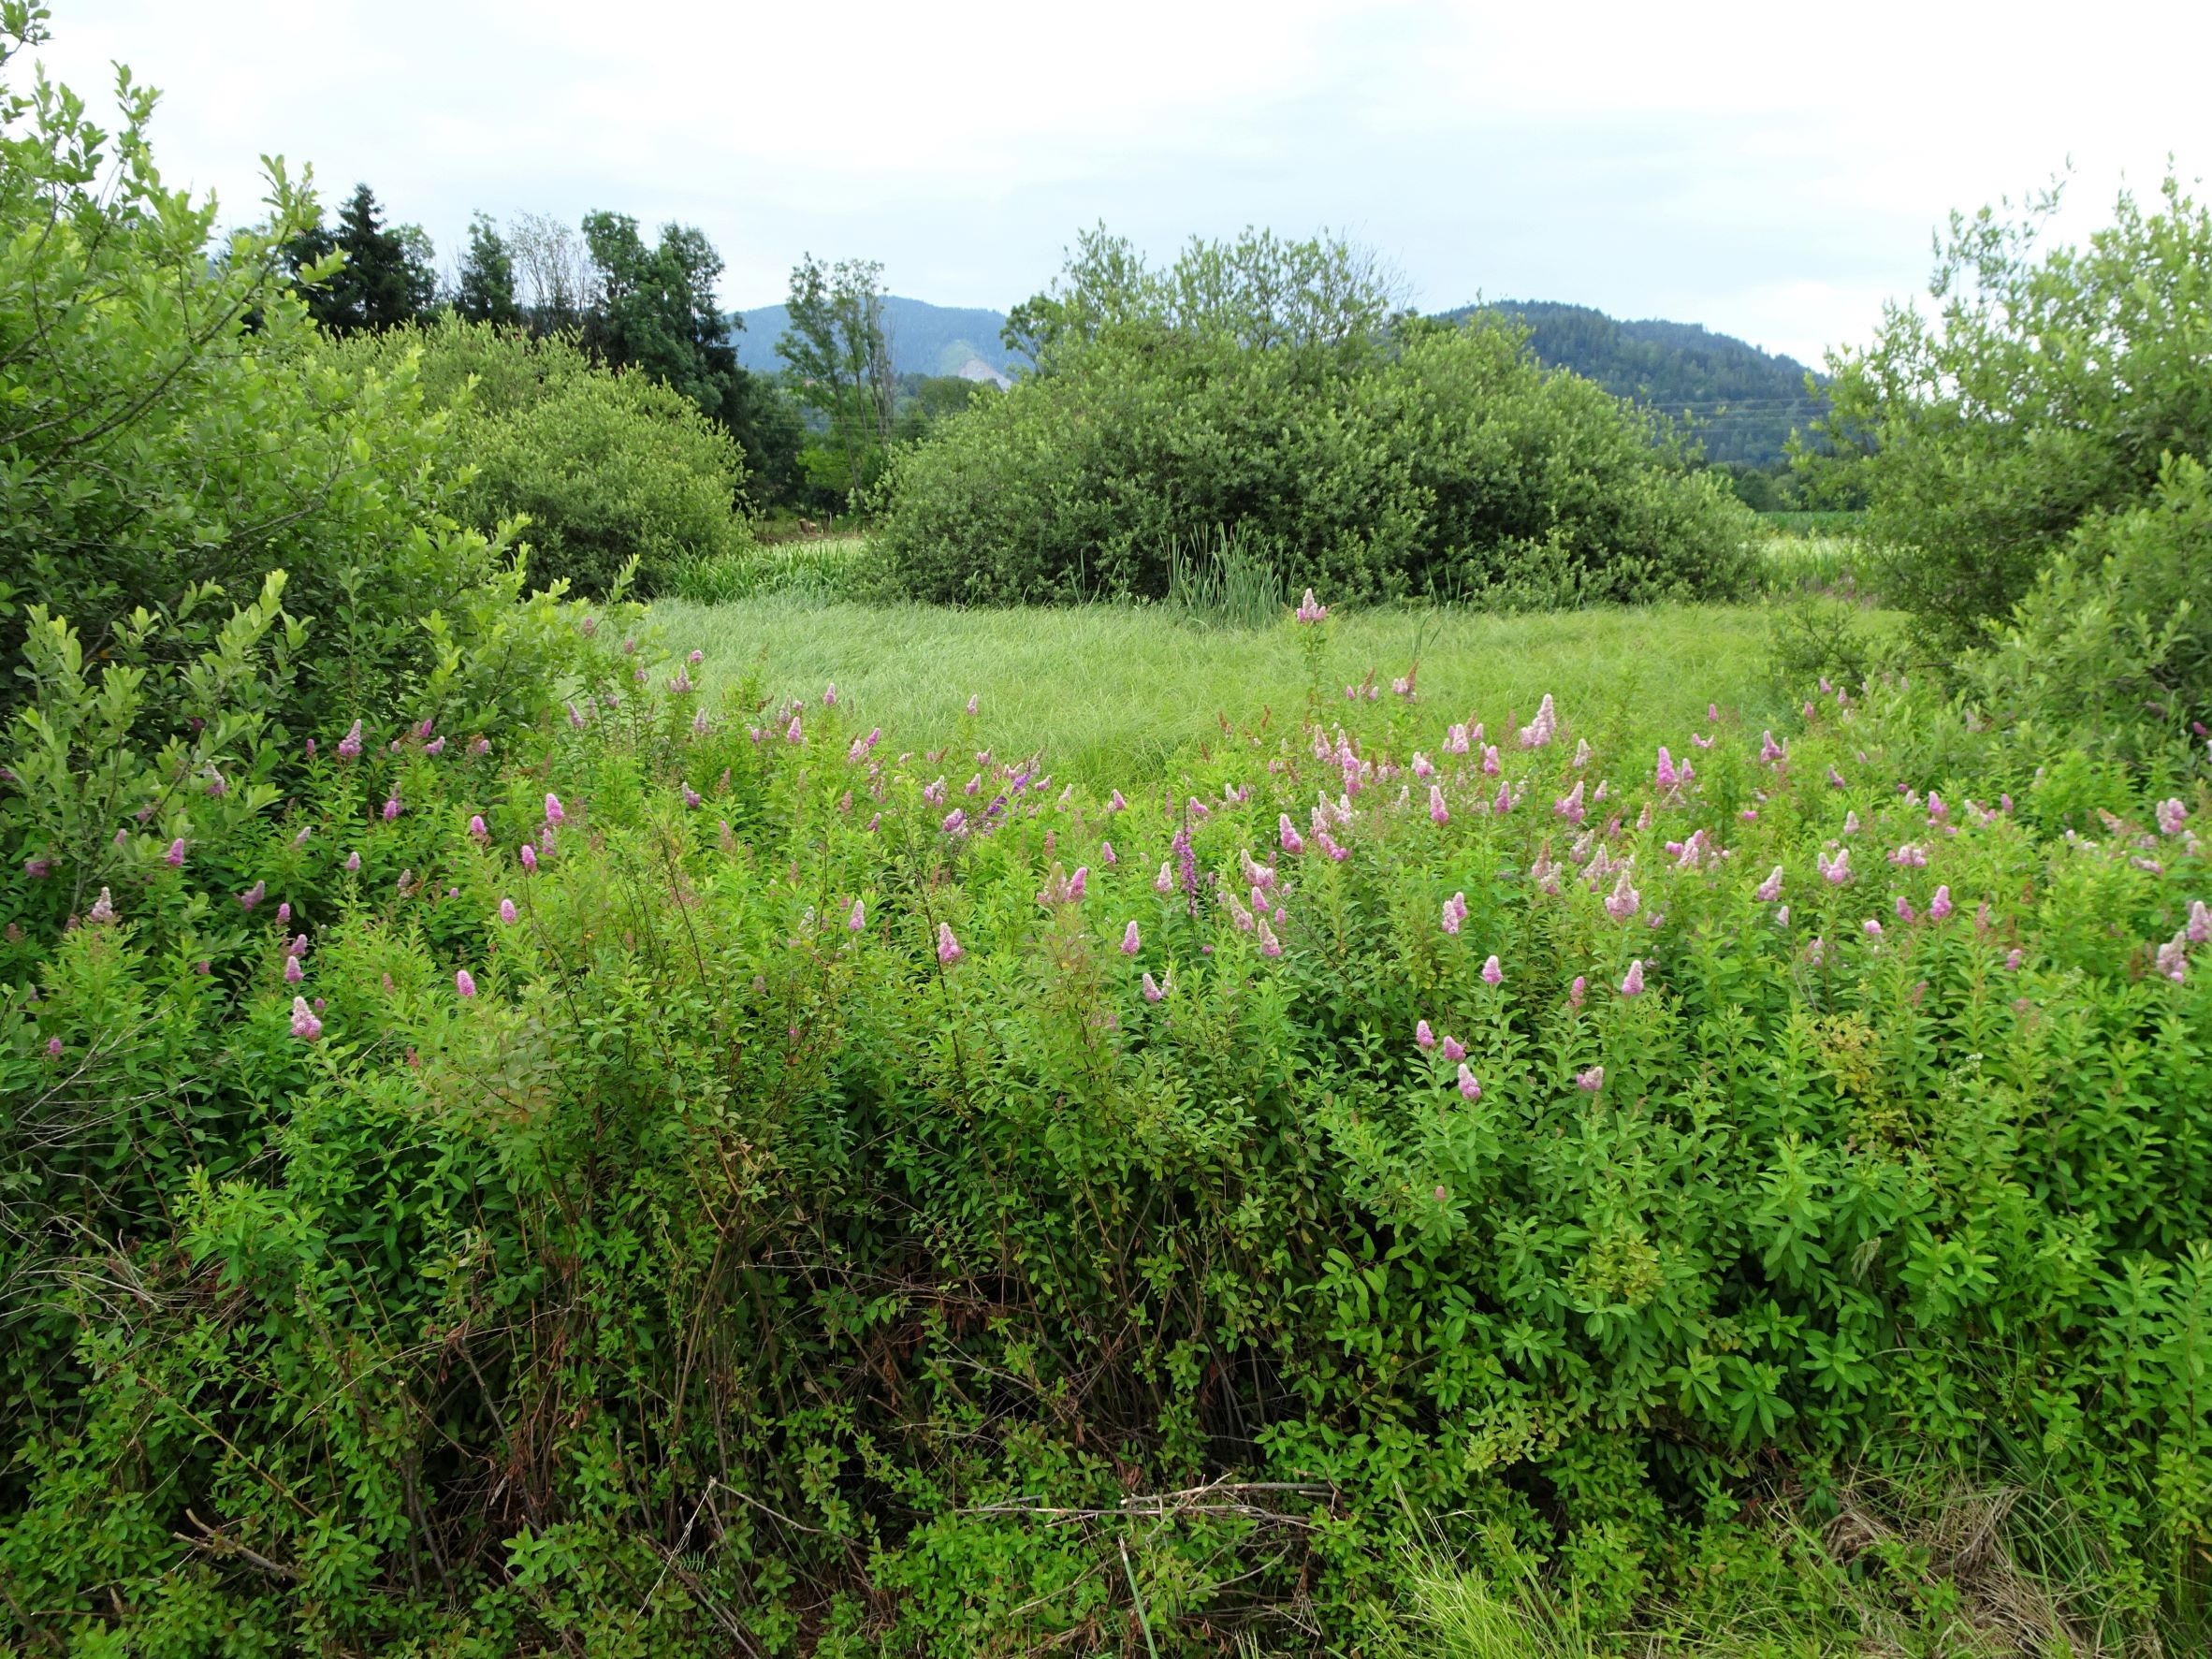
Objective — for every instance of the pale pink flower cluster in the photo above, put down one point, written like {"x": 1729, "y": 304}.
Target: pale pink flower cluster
{"x": 1541, "y": 730}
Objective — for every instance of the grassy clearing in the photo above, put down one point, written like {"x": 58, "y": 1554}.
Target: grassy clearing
{"x": 819, "y": 568}
{"x": 1794, "y": 564}
{"x": 1114, "y": 693}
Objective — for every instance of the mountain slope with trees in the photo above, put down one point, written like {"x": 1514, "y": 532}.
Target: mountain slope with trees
{"x": 1741, "y": 402}
{"x": 925, "y": 338}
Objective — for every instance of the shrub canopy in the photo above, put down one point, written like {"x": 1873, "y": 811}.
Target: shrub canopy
{"x": 2045, "y": 388}
{"x": 607, "y": 464}
{"x": 169, "y": 430}
{"x": 1261, "y": 386}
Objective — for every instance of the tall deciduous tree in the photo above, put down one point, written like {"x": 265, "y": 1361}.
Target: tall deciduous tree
{"x": 836, "y": 355}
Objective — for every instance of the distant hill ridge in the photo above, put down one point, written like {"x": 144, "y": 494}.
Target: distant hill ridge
{"x": 1742, "y": 401}
{"x": 925, "y": 338}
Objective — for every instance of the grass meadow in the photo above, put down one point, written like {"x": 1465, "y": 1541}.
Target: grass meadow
{"x": 1114, "y": 693}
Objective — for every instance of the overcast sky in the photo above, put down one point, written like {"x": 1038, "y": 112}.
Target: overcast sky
{"x": 1772, "y": 170}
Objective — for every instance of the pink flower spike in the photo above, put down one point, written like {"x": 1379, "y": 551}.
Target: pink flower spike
{"x": 1438, "y": 812}
{"x": 2200, "y": 923}
{"x": 1904, "y": 910}
{"x": 530, "y": 858}
{"x": 353, "y": 864}
{"x": 1452, "y": 1049}
{"x": 948, "y": 948}
{"x": 1469, "y": 1088}
{"x": 174, "y": 857}
{"x": 1449, "y": 919}
{"x": 829, "y": 693}
{"x": 1591, "y": 1080}
{"x": 1576, "y": 990}
{"x": 294, "y": 973}
{"x": 1268, "y": 944}
{"x": 1632, "y": 983}
{"x": 1423, "y": 1037}
{"x": 1165, "y": 880}
{"x": 1130, "y": 943}
{"x": 1152, "y": 990}
{"x": 1491, "y": 973}
{"x": 1940, "y": 906}
{"x": 554, "y": 813}
{"x": 971, "y": 704}
{"x": 2171, "y": 815}
{"x": 304, "y": 1025}
{"x": 1286, "y": 832}
{"x": 252, "y": 895}
{"x": 1106, "y": 854}
{"x": 507, "y": 911}
{"x": 1115, "y": 804}
{"x": 1769, "y": 889}
{"x": 1712, "y": 713}
{"x": 464, "y": 982}
{"x": 1077, "y": 882}
{"x": 391, "y": 808}
{"x": 1310, "y": 609}
{"x": 477, "y": 830}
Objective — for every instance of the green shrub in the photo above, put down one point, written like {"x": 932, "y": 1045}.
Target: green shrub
{"x": 801, "y": 1220}
{"x": 169, "y": 428}
{"x": 1429, "y": 459}
{"x": 2113, "y": 646}
{"x": 607, "y": 465}
{"x": 2044, "y": 388}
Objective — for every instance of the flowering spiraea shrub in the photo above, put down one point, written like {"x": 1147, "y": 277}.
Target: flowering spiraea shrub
{"x": 706, "y": 1178}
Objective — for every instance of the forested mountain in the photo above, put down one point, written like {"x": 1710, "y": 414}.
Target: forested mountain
{"x": 1743, "y": 402}
{"x": 925, "y": 338}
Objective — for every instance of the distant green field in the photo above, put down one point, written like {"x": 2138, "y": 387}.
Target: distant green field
{"x": 1815, "y": 524}
{"x": 1114, "y": 693}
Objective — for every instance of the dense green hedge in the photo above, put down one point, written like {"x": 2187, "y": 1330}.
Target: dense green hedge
{"x": 1442, "y": 460}
{"x": 607, "y": 465}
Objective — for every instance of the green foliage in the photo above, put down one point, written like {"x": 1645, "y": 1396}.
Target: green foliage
{"x": 385, "y": 279}
{"x": 2047, "y": 387}
{"x": 485, "y": 290}
{"x": 1251, "y": 386}
{"x": 1225, "y": 584}
{"x": 727, "y": 1259}
{"x": 608, "y": 467}
{"x": 823, "y": 571}
{"x": 2112, "y": 648}
{"x": 168, "y": 427}
{"x": 837, "y": 364}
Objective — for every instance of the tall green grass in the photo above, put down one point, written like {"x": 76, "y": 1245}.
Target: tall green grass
{"x": 1115, "y": 692}
{"x": 820, "y": 570}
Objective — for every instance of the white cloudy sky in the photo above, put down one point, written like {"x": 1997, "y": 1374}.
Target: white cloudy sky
{"x": 1773, "y": 170}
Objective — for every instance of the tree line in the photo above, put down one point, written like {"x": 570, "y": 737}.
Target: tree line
{"x": 814, "y": 437}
